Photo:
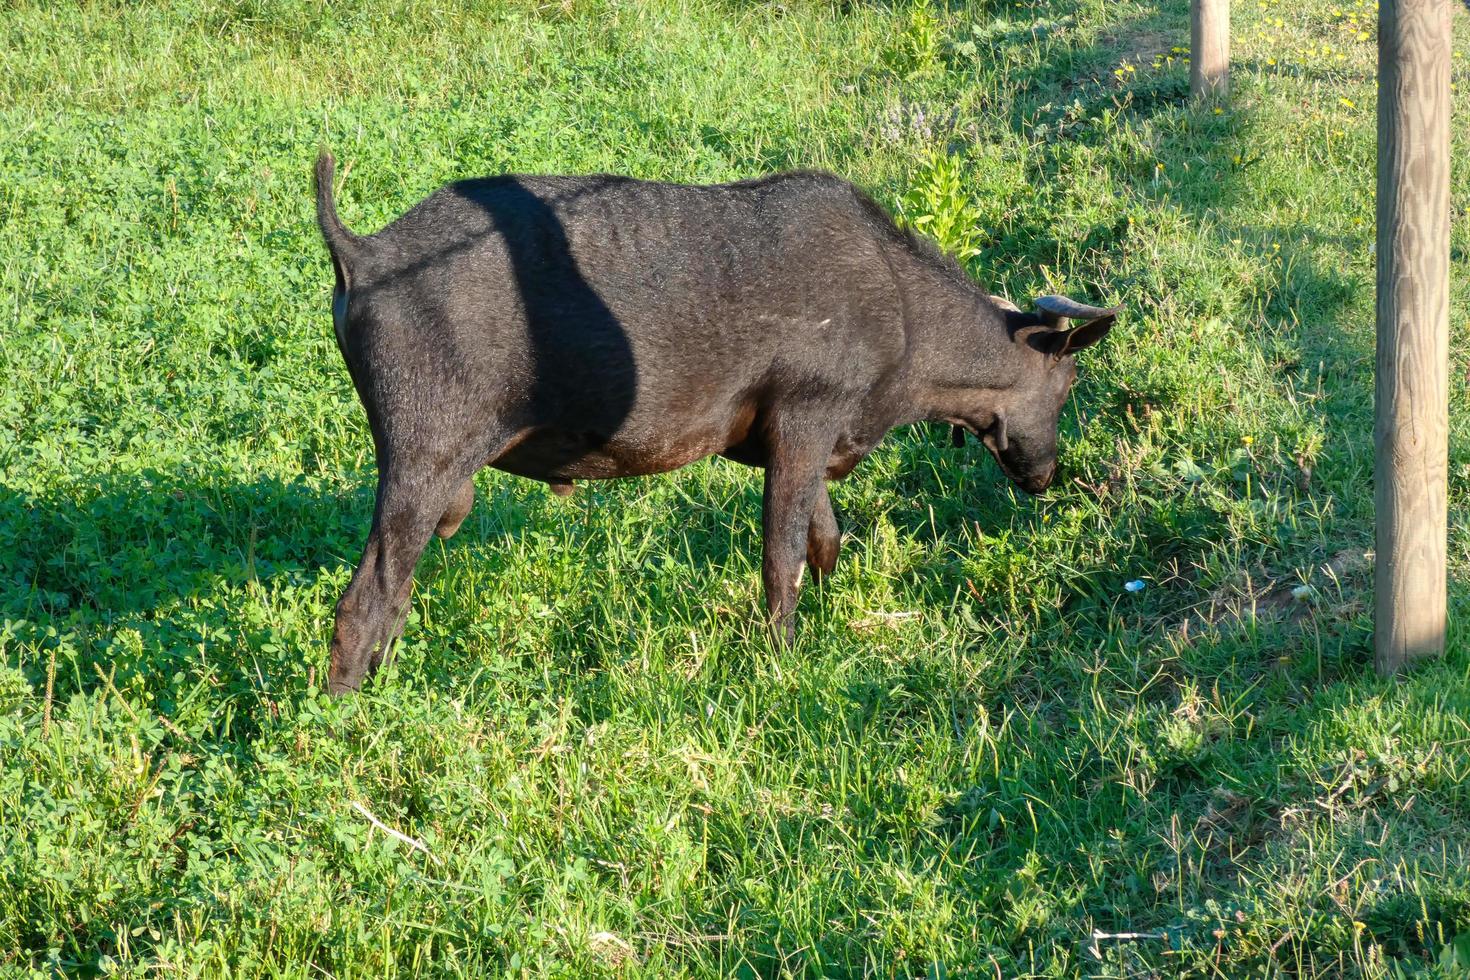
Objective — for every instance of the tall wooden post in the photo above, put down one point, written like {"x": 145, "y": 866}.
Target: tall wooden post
{"x": 1412, "y": 403}
{"x": 1209, "y": 48}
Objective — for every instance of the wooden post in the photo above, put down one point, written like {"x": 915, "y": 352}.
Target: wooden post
{"x": 1209, "y": 48}
{"x": 1412, "y": 397}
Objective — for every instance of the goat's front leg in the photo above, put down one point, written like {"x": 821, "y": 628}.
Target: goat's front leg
{"x": 795, "y": 475}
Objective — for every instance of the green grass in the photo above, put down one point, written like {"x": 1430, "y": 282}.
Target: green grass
{"x": 982, "y": 747}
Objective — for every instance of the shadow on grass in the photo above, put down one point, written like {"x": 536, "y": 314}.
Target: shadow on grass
{"x": 123, "y": 545}
{"x": 156, "y": 552}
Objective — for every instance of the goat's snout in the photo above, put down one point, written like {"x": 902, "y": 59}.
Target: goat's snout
{"x": 1036, "y": 486}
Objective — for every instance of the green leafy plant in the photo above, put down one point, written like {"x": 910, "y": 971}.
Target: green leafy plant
{"x": 938, "y": 204}
{"x": 918, "y": 47}
{"x": 1453, "y": 963}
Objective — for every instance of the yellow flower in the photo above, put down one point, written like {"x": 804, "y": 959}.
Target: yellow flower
{"x": 1248, "y": 440}
{"x": 1219, "y": 111}
{"x": 1349, "y": 103}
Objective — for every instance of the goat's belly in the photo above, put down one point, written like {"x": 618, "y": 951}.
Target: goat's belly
{"x": 561, "y": 456}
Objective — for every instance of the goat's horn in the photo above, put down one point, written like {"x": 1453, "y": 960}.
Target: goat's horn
{"x": 1060, "y": 307}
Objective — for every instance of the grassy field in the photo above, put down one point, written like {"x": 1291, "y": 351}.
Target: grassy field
{"x": 982, "y": 749}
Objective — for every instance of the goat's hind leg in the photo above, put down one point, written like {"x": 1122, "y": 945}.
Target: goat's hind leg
{"x": 464, "y": 501}
{"x": 415, "y": 502}
{"x": 823, "y": 538}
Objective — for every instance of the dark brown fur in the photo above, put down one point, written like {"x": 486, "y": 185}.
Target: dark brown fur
{"x": 584, "y": 328}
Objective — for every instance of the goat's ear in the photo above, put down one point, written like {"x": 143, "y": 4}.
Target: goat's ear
{"x": 1075, "y": 325}
{"x": 1033, "y": 331}
{"x": 1088, "y": 333}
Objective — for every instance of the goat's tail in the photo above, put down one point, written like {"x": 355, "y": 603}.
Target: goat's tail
{"x": 341, "y": 242}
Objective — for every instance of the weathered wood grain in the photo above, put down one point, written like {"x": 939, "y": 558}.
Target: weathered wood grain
{"x": 1209, "y": 48}
{"x": 1412, "y": 396}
